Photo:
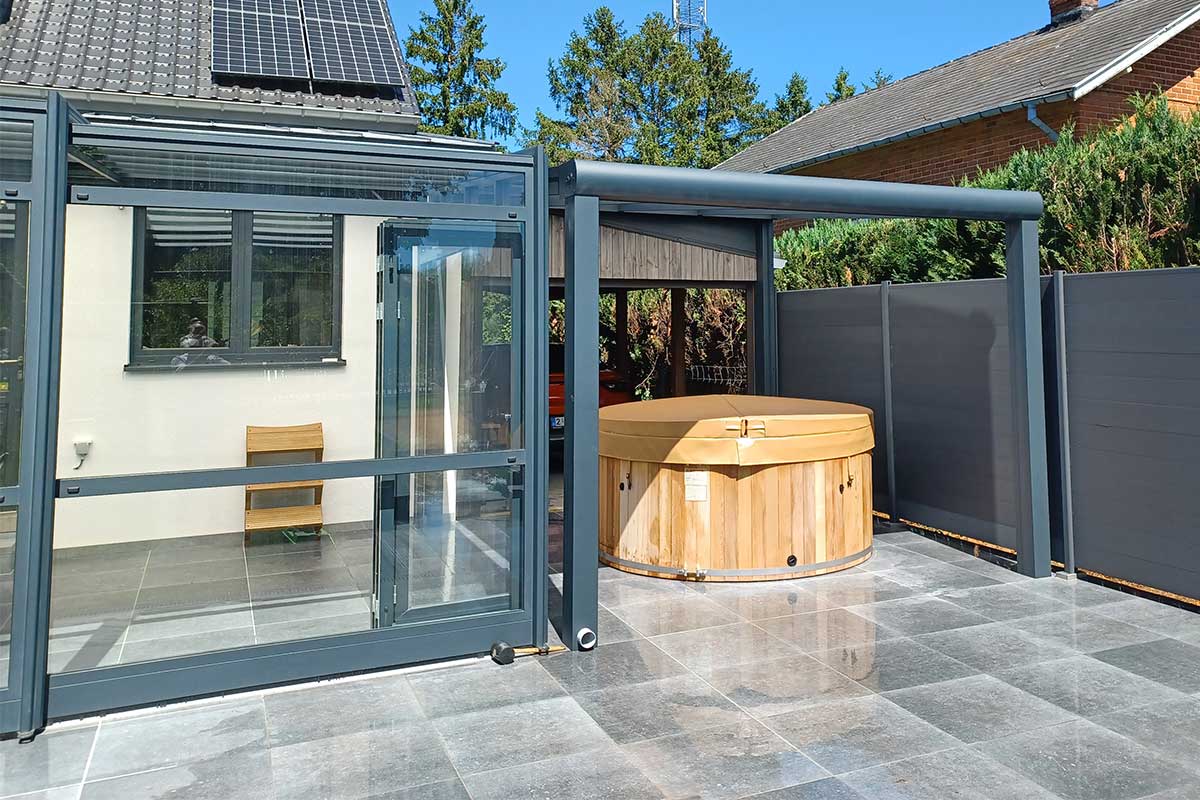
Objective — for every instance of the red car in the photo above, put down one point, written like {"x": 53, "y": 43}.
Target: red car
{"x": 614, "y": 389}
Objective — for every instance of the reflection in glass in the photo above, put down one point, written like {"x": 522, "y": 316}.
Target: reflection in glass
{"x": 451, "y": 284}
{"x": 186, "y": 279}
{"x": 174, "y": 586}
{"x": 381, "y": 179}
{"x": 14, "y": 263}
{"x": 16, "y": 150}
{"x": 453, "y": 538}
{"x": 8, "y": 546}
{"x": 293, "y": 280}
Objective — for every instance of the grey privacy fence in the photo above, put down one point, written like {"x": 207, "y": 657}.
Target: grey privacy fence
{"x": 1122, "y": 366}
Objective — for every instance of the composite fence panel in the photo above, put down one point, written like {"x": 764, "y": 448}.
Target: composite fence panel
{"x": 953, "y": 408}
{"x": 1133, "y": 383}
{"x": 831, "y": 348}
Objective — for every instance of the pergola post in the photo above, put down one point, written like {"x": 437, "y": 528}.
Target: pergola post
{"x": 581, "y": 461}
{"x": 764, "y": 333}
{"x": 678, "y": 342}
{"x": 1028, "y": 388}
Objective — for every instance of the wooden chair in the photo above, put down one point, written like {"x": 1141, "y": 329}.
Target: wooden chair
{"x": 291, "y": 439}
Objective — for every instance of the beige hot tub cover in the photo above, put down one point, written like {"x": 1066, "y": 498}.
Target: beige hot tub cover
{"x": 735, "y": 430}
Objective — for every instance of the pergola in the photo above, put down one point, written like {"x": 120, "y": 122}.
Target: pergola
{"x": 585, "y": 189}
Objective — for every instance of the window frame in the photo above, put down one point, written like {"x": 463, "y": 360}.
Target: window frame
{"x": 239, "y": 352}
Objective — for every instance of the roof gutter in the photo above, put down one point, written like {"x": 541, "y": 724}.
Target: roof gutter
{"x": 124, "y": 101}
{"x": 913, "y": 134}
{"x": 1128, "y": 59}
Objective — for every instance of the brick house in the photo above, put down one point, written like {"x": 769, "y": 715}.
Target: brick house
{"x": 972, "y": 113}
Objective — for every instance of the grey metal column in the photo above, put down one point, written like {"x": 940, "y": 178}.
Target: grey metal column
{"x": 43, "y": 347}
{"x": 765, "y": 345}
{"x": 581, "y": 462}
{"x": 1064, "y": 422}
{"x": 1028, "y": 388}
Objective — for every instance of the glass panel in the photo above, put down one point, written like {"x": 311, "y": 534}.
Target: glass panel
{"x": 16, "y": 150}
{"x": 382, "y": 179}
{"x": 14, "y": 265}
{"x": 8, "y": 546}
{"x": 455, "y": 545}
{"x": 293, "y": 280}
{"x": 186, "y": 292}
{"x": 193, "y": 413}
{"x": 142, "y": 577}
{"x": 454, "y": 316}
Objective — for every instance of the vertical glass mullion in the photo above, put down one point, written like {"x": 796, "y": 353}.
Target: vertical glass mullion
{"x": 241, "y": 282}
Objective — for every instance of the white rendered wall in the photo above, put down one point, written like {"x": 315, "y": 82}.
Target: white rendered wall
{"x": 166, "y": 421}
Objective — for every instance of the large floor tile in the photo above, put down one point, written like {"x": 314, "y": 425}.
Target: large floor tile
{"x": 85, "y": 582}
{"x": 843, "y": 590}
{"x": 612, "y": 665}
{"x": 481, "y": 741}
{"x": 1165, "y": 620}
{"x": 367, "y": 764}
{"x": 994, "y": 571}
{"x": 885, "y": 558}
{"x": 312, "y": 628}
{"x": 960, "y": 774}
{"x": 204, "y": 572}
{"x": 633, "y": 589}
{"x": 658, "y": 708}
{"x": 61, "y": 793}
{"x": 73, "y": 613}
{"x": 605, "y": 773}
{"x": 994, "y": 647}
{"x": 938, "y": 550}
{"x": 458, "y": 690}
{"x": 351, "y": 602}
{"x": 241, "y": 777}
{"x": 713, "y": 648}
{"x": 179, "y": 736}
{"x": 937, "y": 577}
{"x": 1084, "y": 630}
{"x": 673, "y": 614}
{"x": 978, "y": 708}
{"x": 855, "y": 734}
{"x": 55, "y": 758}
{"x": 893, "y": 664}
{"x": 824, "y": 789}
{"x": 162, "y": 623}
{"x": 1083, "y": 761}
{"x": 1171, "y": 729}
{"x": 1085, "y": 686}
{"x": 154, "y": 649}
{"x": 822, "y": 630}
{"x": 899, "y": 538}
{"x": 300, "y": 561}
{"x": 380, "y": 704}
{"x": 1077, "y": 593}
{"x": 1004, "y": 602}
{"x": 101, "y": 558}
{"x": 766, "y": 688}
{"x": 912, "y": 616}
{"x": 610, "y": 629}
{"x": 732, "y": 761}
{"x": 1168, "y": 661}
{"x": 762, "y": 601}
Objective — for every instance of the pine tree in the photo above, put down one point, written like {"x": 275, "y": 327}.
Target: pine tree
{"x": 456, "y": 86}
{"x": 790, "y": 106}
{"x": 842, "y": 88}
{"x": 878, "y": 80}
{"x": 730, "y": 117}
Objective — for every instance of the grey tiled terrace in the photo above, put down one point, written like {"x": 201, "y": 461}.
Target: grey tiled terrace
{"x": 856, "y": 686}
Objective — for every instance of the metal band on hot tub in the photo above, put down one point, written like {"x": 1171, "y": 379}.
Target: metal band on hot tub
{"x": 734, "y": 573}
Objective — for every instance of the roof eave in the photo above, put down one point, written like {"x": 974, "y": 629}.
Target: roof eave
{"x": 99, "y": 100}
{"x": 1136, "y": 54}
{"x": 913, "y": 134}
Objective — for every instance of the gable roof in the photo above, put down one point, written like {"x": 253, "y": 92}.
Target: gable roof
{"x": 114, "y": 54}
{"x": 1055, "y": 63}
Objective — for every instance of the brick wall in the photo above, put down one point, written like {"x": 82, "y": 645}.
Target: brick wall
{"x": 946, "y": 156}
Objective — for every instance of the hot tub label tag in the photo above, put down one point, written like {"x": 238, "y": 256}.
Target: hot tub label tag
{"x": 695, "y": 486}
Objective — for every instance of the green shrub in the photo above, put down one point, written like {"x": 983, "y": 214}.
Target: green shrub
{"x": 1123, "y": 197}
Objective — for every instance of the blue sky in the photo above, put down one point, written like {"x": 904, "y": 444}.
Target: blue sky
{"x": 772, "y": 37}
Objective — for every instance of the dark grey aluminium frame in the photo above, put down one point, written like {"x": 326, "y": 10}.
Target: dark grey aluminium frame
{"x": 585, "y": 188}
{"x": 33, "y": 696}
{"x": 240, "y": 352}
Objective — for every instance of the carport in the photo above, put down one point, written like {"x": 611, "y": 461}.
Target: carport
{"x": 586, "y": 190}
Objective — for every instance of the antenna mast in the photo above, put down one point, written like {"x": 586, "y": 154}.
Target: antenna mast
{"x": 691, "y": 18}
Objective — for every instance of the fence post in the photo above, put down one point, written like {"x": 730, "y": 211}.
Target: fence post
{"x": 1064, "y": 421}
{"x": 888, "y": 426}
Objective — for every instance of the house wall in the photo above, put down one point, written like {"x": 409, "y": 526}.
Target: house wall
{"x": 164, "y": 421}
{"x": 947, "y": 156}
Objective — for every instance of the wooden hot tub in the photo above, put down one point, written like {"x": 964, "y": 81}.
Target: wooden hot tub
{"x": 735, "y": 488}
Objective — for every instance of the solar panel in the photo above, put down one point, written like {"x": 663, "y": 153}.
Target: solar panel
{"x": 259, "y": 37}
{"x": 351, "y": 41}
